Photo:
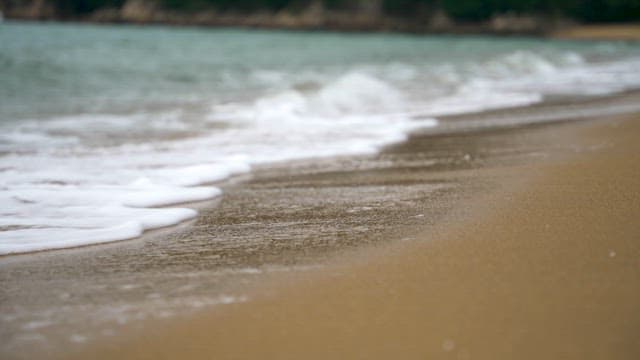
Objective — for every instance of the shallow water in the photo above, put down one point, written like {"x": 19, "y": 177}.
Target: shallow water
{"x": 100, "y": 125}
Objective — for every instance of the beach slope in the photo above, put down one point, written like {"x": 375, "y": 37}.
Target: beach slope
{"x": 547, "y": 269}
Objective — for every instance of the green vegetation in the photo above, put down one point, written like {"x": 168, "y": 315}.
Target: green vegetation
{"x": 84, "y": 6}
{"x": 584, "y": 10}
{"x": 476, "y": 10}
{"x": 460, "y": 10}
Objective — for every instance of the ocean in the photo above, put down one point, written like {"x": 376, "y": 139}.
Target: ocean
{"x": 109, "y": 131}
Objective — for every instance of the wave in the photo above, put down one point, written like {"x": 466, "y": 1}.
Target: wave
{"x": 92, "y": 178}
{"x": 70, "y": 193}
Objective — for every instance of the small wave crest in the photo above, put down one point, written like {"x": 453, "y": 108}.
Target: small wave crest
{"x": 352, "y": 94}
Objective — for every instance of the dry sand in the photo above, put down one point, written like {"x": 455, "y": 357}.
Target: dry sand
{"x": 600, "y": 32}
{"x": 546, "y": 268}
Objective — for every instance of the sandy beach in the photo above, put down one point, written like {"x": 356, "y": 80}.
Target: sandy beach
{"x": 543, "y": 263}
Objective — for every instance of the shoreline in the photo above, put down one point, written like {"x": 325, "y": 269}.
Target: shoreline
{"x": 282, "y": 222}
{"x": 554, "y": 110}
{"x": 544, "y": 266}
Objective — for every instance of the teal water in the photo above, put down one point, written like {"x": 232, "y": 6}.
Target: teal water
{"x": 52, "y": 69}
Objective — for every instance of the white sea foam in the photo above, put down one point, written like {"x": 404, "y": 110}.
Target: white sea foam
{"x": 69, "y": 193}
{"x": 93, "y": 178}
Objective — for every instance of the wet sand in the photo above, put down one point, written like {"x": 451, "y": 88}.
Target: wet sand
{"x": 544, "y": 265}
{"x": 283, "y": 219}
{"x": 279, "y": 219}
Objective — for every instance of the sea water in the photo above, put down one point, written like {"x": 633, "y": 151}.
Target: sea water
{"x": 106, "y": 130}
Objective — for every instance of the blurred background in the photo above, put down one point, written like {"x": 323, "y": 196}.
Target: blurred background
{"x": 522, "y": 16}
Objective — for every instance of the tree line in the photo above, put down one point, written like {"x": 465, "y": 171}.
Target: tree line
{"x": 458, "y": 10}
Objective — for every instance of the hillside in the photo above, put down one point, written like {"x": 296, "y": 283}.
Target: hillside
{"x": 494, "y": 16}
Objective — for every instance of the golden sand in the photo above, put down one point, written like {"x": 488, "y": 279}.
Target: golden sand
{"x": 600, "y": 32}
{"x": 550, "y": 270}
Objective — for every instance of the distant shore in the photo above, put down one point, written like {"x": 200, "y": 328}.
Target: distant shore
{"x": 317, "y": 17}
